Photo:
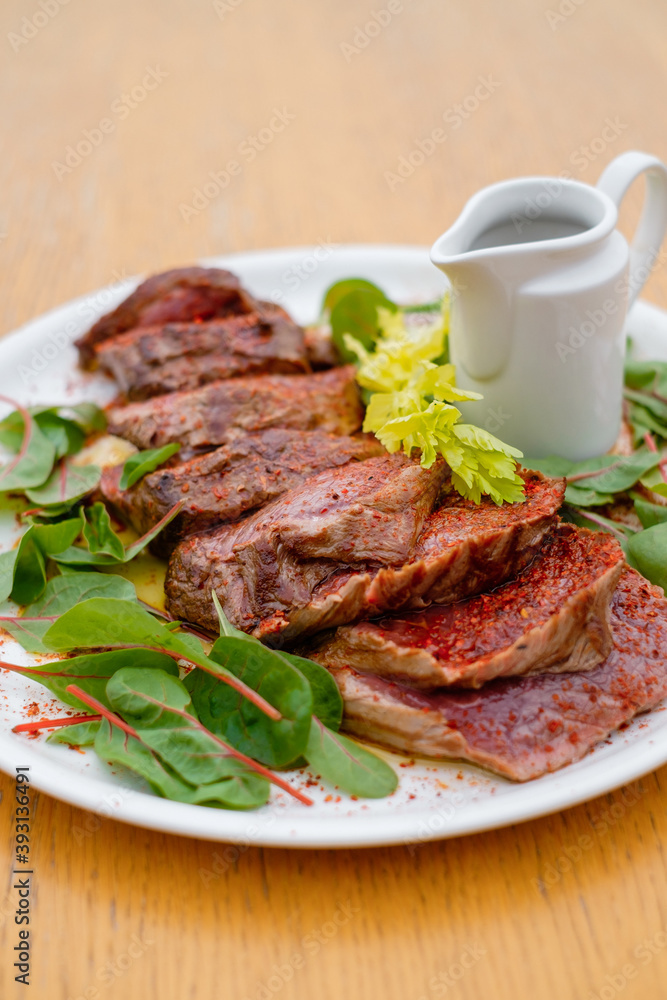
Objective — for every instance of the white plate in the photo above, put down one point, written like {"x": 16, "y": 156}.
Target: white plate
{"x": 38, "y": 364}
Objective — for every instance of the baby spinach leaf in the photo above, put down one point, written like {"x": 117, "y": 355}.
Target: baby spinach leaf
{"x": 99, "y": 534}
{"x": 226, "y": 713}
{"x": 650, "y": 376}
{"x": 23, "y": 570}
{"x": 347, "y": 765}
{"x": 647, "y": 552}
{"x": 62, "y": 593}
{"x": 66, "y": 484}
{"x": 579, "y": 496}
{"x": 80, "y": 734}
{"x": 356, "y": 313}
{"x": 143, "y": 462}
{"x": 650, "y": 514}
{"x": 327, "y": 701}
{"x": 103, "y": 534}
{"x": 340, "y": 289}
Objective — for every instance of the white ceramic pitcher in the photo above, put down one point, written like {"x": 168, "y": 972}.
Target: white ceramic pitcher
{"x": 541, "y": 284}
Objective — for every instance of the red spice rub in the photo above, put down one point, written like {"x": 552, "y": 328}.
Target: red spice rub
{"x": 554, "y": 616}
{"x": 523, "y": 728}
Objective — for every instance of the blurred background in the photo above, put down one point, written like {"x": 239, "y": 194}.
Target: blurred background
{"x": 183, "y": 89}
{"x": 139, "y": 135}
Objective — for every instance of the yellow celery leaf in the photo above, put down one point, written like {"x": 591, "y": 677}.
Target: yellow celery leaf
{"x": 438, "y": 381}
{"x": 411, "y": 408}
{"x": 479, "y": 438}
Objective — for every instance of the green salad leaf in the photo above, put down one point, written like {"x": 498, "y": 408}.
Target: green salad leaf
{"x": 23, "y": 569}
{"x": 104, "y": 547}
{"x": 62, "y": 593}
{"x": 225, "y": 712}
{"x": 137, "y": 466}
{"x": 92, "y": 671}
{"x": 66, "y": 484}
{"x": 40, "y": 437}
{"x": 347, "y": 765}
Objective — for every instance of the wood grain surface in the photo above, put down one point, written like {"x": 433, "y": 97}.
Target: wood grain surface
{"x": 571, "y": 906}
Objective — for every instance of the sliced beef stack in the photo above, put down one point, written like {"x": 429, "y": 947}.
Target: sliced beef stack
{"x": 201, "y": 362}
{"x": 498, "y": 635}
{"x": 354, "y": 542}
{"x": 153, "y": 360}
{"x": 222, "y": 485}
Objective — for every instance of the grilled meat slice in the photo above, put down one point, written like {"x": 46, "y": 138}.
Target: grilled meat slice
{"x": 278, "y": 592}
{"x": 524, "y": 727}
{"x": 213, "y": 415}
{"x": 224, "y": 484}
{"x": 181, "y": 295}
{"x": 554, "y": 616}
{"x": 153, "y": 360}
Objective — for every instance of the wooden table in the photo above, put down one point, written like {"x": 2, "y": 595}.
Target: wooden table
{"x": 521, "y": 88}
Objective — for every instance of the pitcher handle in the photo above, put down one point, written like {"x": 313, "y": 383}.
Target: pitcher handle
{"x": 645, "y": 248}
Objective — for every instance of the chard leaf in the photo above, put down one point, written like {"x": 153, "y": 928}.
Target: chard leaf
{"x": 143, "y": 462}
{"x": 654, "y": 481}
{"x": 552, "y": 465}
{"x": 108, "y": 622}
{"x": 642, "y": 421}
{"x": 347, "y": 765}
{"x": 655, "y": 405}
{"x": 647, "y": 552}
{"x": 80, "y": 734}
{"x": 32, "y": 465}
{"x": 66, "y": 484}
{"x": 113, "y": 745}
{"x": 92, "y": 672}
{"x": 61, "y": 594}
{"x": 158, "y": 707}
{"x": 51, "y": 433}
{"x": 622, "y": 472}
{"x": 225, "y": 712}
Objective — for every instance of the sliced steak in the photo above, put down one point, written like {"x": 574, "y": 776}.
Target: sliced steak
{"x": 554, "y": 616}
{"x": 224, "y": 484}
{"x": 153, "y": 360}
{"x": 181, "y": 295}
{"x": 525, "y": 727}
{"x": 213, "y": 415}
{"x": 278, "y": 592}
